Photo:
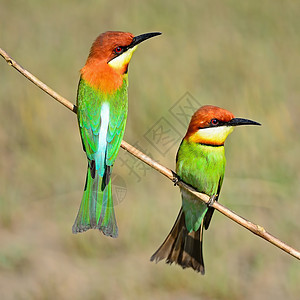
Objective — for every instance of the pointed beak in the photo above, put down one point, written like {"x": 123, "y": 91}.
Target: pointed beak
{"x": 143, "y": 37}
{"x": 240, "y": 121}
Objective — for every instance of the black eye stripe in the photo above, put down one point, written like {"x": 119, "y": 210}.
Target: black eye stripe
{"x": 214, "y": 123}
{"x": 120, "y": 49}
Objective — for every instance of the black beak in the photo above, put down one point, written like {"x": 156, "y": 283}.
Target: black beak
{"x": 143, "y": 37}
{"x": 240, "y": 121}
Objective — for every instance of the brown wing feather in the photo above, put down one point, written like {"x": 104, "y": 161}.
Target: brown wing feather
{"x": 181, "y": 247}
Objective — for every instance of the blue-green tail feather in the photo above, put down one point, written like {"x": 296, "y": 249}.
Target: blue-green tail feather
{"x": 96, "y": 210}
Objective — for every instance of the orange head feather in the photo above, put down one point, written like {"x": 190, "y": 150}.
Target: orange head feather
{"x": 97, "y": 72}
{"x": 204, "y": 118}
{"x": 104, "y": 45}
{"x": 210, "y": 125}
{"x": 109, "y": 57}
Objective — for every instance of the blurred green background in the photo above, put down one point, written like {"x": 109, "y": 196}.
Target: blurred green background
{"x": 240, "y": 55}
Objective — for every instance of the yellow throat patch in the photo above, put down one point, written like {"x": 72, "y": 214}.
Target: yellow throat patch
{"x": 122, "y": 60}
{"x": 211, "y": 135}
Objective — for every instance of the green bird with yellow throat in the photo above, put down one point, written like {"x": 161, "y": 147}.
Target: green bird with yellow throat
{"x": 200, "y": 162}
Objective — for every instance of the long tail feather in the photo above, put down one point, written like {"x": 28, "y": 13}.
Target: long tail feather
{"x": 96, "y": 210}
{"x": 181, "y": 247}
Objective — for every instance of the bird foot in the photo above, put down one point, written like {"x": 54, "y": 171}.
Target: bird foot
{"x": 211, "y": 200}
{"x": 175, "y": 179}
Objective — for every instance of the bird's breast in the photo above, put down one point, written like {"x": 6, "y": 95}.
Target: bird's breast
{"x": 201, "y": 166}
{"x": 101, "y": 76}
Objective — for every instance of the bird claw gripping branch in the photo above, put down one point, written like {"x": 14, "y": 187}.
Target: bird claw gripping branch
{"x": 212, "y": 200}
{"x": 175, "y": 179}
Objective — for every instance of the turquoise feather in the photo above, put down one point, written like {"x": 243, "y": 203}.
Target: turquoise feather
{"x": 102, "y": 119}
{"x": 203, "y": 167}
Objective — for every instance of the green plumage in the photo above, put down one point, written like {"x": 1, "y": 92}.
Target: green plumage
{"x": 200, "y": 162}
{"x": 202, "y": 167}
{"x": 102, "y": 119}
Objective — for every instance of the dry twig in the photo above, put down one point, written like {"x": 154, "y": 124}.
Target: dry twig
{"x": 256, "y": 229}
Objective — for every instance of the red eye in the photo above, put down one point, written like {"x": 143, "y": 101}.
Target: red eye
{"x": 214, "y": 122}
{"x": 118, "y": 50}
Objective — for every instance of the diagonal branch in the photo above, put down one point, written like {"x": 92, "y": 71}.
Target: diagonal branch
{"x": 256, "y": 229}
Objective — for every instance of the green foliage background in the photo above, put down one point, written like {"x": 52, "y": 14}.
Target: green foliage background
{"x": 240, "y": 55}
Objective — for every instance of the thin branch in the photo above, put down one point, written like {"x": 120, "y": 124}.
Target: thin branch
{"x": 37, "y": 82}
{"x": 256, "y": 229}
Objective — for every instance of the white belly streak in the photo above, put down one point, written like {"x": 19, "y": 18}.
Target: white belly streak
{"x": 104, "y": 123}
{"x": 100, "y": 155}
